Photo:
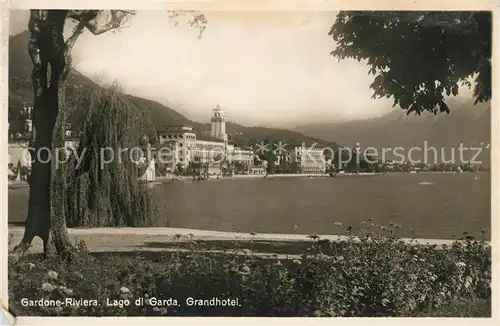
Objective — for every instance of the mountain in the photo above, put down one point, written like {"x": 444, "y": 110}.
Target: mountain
{"x": 467, "y": 123}
{"x": 20, "y": 87}
{"x": 20, "y": 91}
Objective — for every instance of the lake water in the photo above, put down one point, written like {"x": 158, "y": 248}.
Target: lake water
{"x": 434, "y": 205}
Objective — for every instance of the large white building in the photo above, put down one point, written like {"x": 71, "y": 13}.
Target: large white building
{"x": 309, "y": 159}
{"x": 19, "y": 144}
{"x": 179, "y": 145}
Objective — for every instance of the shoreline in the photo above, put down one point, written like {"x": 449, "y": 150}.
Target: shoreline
{"x": 12, "y": 185}
{"x": 298, "y": 175}
{"x": 269, "y": 176}
{"x": 17, "y": 184}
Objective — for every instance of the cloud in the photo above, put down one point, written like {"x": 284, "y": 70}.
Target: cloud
{"x": 271, "y": 68}
{"x": 262, "y": 68}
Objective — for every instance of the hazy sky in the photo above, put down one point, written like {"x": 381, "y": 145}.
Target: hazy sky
{"x": 262, "y": 68}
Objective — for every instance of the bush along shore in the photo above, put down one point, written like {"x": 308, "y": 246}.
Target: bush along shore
{"x": 377, "y": 275}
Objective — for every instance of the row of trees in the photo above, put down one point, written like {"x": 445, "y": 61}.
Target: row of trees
{"x": 196, "y": 169}
{"x": 199, "y": 169}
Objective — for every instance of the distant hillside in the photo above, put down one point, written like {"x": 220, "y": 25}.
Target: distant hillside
{"x": 20, "y": 91}
{"x": 467, "y": 124}
{"x": 20, "y": 88}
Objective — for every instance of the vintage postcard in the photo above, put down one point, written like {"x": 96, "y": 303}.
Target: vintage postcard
{"x": 285, "y": 161}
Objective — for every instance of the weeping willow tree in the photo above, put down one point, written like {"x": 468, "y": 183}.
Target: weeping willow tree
{"x": 102, "y": 180}
{"x": 49, "y": 205}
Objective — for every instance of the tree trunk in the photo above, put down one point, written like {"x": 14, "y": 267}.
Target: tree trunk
{"x": 38, "y": 222}
{"x": 46, "y": 210}
{"x": 58, "y": 179}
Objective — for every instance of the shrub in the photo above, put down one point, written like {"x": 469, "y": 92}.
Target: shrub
{"x": 369, "y": 274}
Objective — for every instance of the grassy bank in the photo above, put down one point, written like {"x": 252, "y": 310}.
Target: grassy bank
{"x": 376, "y": 276}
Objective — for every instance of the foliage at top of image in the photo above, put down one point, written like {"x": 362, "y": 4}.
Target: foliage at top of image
{"x": 418, "y": 58}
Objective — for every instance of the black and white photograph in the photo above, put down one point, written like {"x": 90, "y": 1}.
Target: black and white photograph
{"x": 186, "y": 162}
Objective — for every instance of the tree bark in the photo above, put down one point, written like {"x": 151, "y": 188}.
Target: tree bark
{"x": 59, "y": 168}
{"x": 46, "y": 206}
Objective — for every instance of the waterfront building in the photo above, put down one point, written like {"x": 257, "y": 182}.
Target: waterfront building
{"x": 309, "y": 159}
{"x": 19, "y": 142}
{"x": 181, "y": 146}
{"x": 258, "y": 170}
{"x": 19, "y": 154}
{"x": 169, "y": 154}
{"x": 179, "y": 133}
{"x": 244, "y": 156}
{"x": 19, "y": 148}
{"x": 175, "y": 143}
{"x": 209, "y": 151}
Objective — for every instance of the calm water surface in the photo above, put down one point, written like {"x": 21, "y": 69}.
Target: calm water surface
{"x": 444, "y": 206}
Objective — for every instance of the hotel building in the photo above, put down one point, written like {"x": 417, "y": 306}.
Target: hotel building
{"x": 179, "y": 145}
{"x": 310, "y": 159}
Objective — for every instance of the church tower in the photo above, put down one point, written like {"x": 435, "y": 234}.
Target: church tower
{"x": 219, "y": 124}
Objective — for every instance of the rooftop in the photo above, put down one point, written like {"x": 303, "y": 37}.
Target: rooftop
{"x": 175, "y": 128}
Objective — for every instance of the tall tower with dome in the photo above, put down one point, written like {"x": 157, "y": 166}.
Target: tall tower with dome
{"x": 219, "y": 126}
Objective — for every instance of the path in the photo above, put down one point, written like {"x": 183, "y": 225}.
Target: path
{"x": 170, "y": 239}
